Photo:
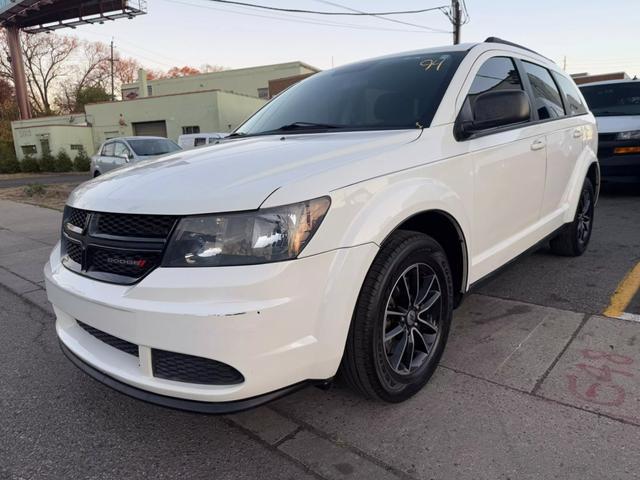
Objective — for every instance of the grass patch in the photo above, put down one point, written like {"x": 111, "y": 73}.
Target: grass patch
{"x": 49, "y": 196}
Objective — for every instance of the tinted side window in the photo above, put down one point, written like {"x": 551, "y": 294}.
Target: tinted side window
{"x": 120, "y": 149}
{"x": 572, "y": 102}
{"x": 547, "y": 98}
{"x": 497, "y": 73}
{"x": 107, "y": 150}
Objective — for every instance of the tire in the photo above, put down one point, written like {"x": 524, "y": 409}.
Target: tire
{"x": 573, "y": 239}
{"x": 96, "y": 174}
{"x": 374, "y": 366}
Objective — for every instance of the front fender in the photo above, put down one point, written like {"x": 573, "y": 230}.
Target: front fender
{"x": 370, "y": 211}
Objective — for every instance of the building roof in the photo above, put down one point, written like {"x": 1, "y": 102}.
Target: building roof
{"x": 223, "y": 73}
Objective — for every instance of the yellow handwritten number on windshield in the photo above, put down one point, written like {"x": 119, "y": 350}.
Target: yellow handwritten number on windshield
{"x": 429, "y": 63}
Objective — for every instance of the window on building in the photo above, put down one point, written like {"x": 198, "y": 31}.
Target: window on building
{"x": 263, "y": 93}
{"x": 547, "y": 101}
{"x": 29, "y": 149}
{"x": 149, "y": 90}
{"x": 77, "y": 147}
{"x": 190, "y": 130}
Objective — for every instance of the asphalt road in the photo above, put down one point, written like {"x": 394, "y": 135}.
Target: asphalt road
{"x": 534, "y": 384}
{"x": 583, "y": 284}
{"x": 45, "y": 179}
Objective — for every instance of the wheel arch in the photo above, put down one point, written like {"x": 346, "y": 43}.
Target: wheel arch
{"x": 446, "y": 230}
{"x": 593, "y": 174}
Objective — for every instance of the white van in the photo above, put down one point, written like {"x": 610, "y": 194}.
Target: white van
{"x": 616, "y": 106}
{"x": 193, "y": 140}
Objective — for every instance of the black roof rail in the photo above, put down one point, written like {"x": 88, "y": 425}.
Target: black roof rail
{"x": 507, "y": 42}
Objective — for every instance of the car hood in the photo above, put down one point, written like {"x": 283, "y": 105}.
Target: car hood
{"x": 615, "y": 124}
{"x": 237, "y": 174}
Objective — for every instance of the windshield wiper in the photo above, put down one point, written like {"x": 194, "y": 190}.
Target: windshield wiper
{"x": 289, "y": 127}
{"x": 306, "y": 125}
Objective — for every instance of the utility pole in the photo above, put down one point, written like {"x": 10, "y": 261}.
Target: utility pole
{"x": 112, "y": 88}
{"x": 564, "y": 64}
{"x": 456, "y": 20}
{"x": 17, "y": 68}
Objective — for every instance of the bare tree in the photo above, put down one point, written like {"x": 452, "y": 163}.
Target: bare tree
{"x": 46, "y": 61}
{"x": 91, "y": 68}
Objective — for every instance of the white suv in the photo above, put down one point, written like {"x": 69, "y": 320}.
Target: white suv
{"x": 335, "y": 231}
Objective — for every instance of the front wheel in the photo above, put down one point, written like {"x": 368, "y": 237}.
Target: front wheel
{"x": 573, "y": 239}
{"x": 401, "y": 322}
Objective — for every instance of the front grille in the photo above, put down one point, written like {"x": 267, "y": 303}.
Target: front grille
{"x": 128, "y": 225}
{"x": 115, "y": 342}
{"x": 190, "y": 369}
{"x": 77, "y": 217}
{"x": 74, "y": 250}
{"x": 113, "y": 247}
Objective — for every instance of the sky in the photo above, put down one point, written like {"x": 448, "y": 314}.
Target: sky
{"x": 593, "y": 36}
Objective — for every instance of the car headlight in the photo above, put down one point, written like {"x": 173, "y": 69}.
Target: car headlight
{"x": 261, "y": 236}
{"x": 632, "y": 135}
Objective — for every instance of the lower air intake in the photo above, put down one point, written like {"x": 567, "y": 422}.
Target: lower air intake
{"x": 189, "y": 369}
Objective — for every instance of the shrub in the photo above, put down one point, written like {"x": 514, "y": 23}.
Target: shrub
{"x": 62, "y": 162}
{"x": 8, "y": 161}
{"x": 29, "y": 164}
{"x": 82, "y": 162}
{"x": 34, "y": 189}
{"x": 9, "y": 164}
{"x": 47, "y": 163}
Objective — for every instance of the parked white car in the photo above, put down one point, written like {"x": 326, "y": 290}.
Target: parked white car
{"x": 194, "y": 140}
{"x": 616, "y": 106}
{"x": 118, "y": 152}
{"x": 335, "y": 230}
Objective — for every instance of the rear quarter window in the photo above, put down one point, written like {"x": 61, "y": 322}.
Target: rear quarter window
{"x": 572, "y": 98}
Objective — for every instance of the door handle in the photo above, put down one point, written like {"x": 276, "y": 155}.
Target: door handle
{"x": 577, "y": 133}
{"x": 538, "y": 145}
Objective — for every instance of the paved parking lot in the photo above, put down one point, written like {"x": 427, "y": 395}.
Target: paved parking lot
{"x": 535, "y": 383}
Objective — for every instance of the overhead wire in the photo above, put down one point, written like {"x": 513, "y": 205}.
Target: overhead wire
{"x": 320, "y": 12}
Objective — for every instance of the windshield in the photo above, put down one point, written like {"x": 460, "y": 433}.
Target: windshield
{"x": 153, "y": 146}
{"x": 388, "y": 93}
{"x": 613, "y": 99}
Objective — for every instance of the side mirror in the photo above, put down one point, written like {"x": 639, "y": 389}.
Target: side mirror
{"x": 492, "y": 110}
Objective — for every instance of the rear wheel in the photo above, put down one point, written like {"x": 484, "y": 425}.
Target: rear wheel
{"x": 96, "y": 174}
{"x": 402, "y": 319}
{"x": 574, "y": 238}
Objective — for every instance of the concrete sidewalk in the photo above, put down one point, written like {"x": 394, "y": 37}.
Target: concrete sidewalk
{"x": 27, "y": 236}
{"x": 524, "y": 391}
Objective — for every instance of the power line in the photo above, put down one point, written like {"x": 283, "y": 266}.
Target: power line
{"x": 326, "y": 2}
{"x": 296, "y": 19}
{"x": 317, "y": 12}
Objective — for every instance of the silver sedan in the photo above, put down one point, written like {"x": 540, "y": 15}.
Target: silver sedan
{"x": 117, "y": 152}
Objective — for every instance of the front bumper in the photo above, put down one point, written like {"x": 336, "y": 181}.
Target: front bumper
{"x": 278, "y": 324}
{"x": 618, "y": 167}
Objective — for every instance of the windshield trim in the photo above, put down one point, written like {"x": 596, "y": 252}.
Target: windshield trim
{"x": 320, "y": 130}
